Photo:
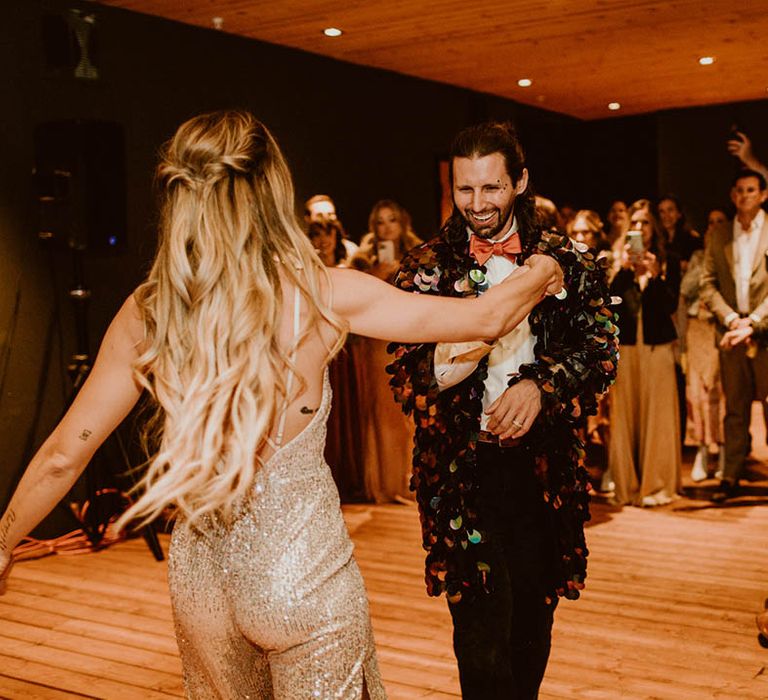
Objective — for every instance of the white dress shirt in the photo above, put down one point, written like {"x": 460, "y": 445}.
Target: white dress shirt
{"x": 454, "y": 362}
{"x": 745, "y": 243}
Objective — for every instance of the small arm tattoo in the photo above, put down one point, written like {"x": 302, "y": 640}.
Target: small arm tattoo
{"x": 307, "y": 410}
{"x": 85, "y": 434}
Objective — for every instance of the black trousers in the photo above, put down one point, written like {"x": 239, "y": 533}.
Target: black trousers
{"x": 502, "y": 639}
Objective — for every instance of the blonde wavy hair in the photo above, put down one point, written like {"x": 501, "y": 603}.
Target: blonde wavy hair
{"x": 211, "y": 307}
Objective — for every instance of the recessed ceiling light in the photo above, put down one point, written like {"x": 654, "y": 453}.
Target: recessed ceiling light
{"x": 525, "y": 82}
{"x": 613, "y": 106}
{"x": 332, "y": 31}
{"x": 707, "y": 60}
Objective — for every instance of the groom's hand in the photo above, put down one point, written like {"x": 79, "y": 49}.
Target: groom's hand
{"x": 513, "y": 413}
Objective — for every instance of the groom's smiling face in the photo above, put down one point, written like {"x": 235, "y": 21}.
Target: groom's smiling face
{"x": 484, "y": 193}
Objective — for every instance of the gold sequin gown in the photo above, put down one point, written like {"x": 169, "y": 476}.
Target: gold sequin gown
{"x": 273, "y": 605}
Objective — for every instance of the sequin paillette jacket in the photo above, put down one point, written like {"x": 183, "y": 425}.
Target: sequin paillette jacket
{"x": 576, "y": 354}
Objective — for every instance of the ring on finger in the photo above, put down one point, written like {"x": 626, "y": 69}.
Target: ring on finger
{"x": 516, "y": 423}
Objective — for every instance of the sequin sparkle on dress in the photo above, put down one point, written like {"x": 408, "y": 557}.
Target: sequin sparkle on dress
{"x": 273, "y": 605}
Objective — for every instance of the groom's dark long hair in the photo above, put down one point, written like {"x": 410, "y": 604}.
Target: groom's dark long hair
{"x": 483, "y": 140}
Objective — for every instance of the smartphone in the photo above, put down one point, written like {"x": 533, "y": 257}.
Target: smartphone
{"x": 635, "y": 240}
{"x": 385, "y": 252}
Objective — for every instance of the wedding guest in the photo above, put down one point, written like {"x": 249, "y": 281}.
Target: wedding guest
{"x": 704, "y": 394}
{"x": 321, "y": 207}
{"x": 344, "y": 438}
{"x": 328, "y": 239}
{"x": 586, "y": 226}
{"x": 644, "y": 450}
{"x": 387, "y": 433}
{"x": 680, "y": 237}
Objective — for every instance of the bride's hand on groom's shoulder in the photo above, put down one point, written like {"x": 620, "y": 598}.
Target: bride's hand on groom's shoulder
{"x": 550, "y": 265}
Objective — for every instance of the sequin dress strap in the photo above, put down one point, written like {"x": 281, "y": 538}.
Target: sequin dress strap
{"x": 277, "y": 443}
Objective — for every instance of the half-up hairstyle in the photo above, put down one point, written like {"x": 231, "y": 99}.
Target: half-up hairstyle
{"x": 211, "y": 307}
{"x": 483, "y": 140}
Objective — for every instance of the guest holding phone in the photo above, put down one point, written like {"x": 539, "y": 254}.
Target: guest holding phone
{"x": 387, "y": 434}
{"x": 644, "y": 450}
{"x": 388, "y": 239}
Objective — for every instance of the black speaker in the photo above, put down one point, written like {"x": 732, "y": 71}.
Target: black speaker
{"x": 79, "y": 177}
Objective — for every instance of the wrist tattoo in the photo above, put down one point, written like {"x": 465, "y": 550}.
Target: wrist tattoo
{"x": 85, "y": 434}
{"x": 307, "y": 410}
{"x": 5, "y": 526}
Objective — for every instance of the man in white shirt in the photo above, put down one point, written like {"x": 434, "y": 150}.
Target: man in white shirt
{"x": 734, "y": 285}
{"x": 501, "y": 494}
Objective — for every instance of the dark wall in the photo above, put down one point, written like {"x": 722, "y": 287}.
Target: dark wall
{"x": 614, "y": 159}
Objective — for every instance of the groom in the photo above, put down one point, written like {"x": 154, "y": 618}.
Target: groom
{"x": 501, "y": 491}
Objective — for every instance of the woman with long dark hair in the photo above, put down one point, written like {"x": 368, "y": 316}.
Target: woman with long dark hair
{"x": 680, "y": 237}
{"x": 328, "y": 239}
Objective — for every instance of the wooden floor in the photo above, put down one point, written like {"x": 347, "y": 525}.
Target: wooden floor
{"x": 668, "y": 613}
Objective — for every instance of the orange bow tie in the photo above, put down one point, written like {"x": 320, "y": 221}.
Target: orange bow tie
{"x": 481, "y": 249}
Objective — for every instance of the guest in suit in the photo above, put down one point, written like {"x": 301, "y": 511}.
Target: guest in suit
{"x": 734, "y": 285}
{"x": 644, "y": 449}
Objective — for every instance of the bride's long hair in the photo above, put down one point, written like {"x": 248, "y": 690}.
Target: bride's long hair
{"x": 211, "y": 307}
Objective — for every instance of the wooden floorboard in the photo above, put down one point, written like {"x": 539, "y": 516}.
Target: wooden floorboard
{"x": 668, "y": 613}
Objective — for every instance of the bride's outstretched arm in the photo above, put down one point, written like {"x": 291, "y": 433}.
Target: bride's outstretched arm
{"x": 379, "y": 310}
{"x": 107, "y": 397}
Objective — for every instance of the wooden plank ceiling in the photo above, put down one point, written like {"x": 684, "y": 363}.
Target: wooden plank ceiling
{"x": 580, "y": 54}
